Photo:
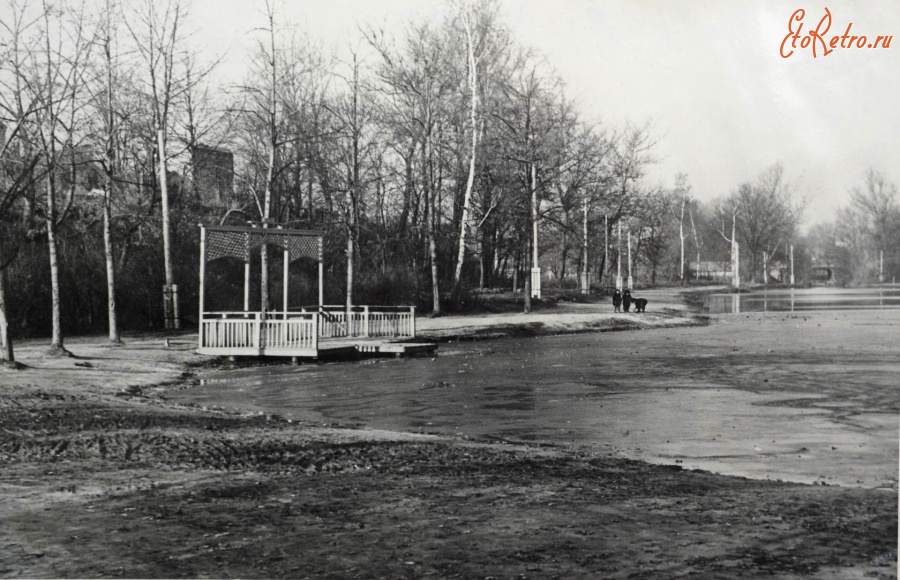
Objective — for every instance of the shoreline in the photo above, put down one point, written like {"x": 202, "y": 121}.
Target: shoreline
{"x": 104, "y": 476}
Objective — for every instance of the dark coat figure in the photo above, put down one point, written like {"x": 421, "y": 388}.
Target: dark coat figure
{"x": 640, "y": 304}
{"x": 617, "y": 300}
{"x": 626, "y": 300}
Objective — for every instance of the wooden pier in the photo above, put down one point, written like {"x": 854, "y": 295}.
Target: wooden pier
{"x": 313, "y": 332}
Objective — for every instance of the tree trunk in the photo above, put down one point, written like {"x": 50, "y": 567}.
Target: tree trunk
{"x": 681, "y": 238}
{"x": 108, "y": 249}
{"x": 585, "y": 284}
{"x": 353, "y": 190}
{"x": 464, "y": 220}
{"x": 110, "y": 265}
{"x": 169, "y": 305}
{"x": 7, "y": 356}
{"x": 430, "y": 200}
{"x": 56, "y": 342}
{"x": 534, "y": 227}
{"x": 527, "y": 290}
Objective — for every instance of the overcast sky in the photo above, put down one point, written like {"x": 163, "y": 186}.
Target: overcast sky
{"x": 707, "y": 74}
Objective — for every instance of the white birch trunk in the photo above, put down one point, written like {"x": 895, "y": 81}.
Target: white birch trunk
{"x": 108, "y": 248}
{"x": 464, "y": 219}
{"x": 7, "y": 356}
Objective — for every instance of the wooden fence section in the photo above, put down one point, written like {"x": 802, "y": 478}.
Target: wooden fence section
{"x": 365, "y": 321}
{"x": 237, "y": 333}
{"x": 299, "y": 333}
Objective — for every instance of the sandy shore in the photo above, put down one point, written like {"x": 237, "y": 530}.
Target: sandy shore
{"x": 103, "y": 476}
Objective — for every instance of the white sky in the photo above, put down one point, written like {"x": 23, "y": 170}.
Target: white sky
{"x": 707, "y": 73}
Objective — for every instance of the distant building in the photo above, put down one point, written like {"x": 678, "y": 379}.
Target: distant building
{"x": 213, "y": 172}
{"x": 709, "y": 270}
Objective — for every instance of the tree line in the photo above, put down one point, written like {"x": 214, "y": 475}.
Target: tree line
{"x": 436, "y": 161}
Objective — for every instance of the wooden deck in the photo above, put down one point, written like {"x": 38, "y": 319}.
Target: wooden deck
{"x": 312, "y": 333}
{"x": 348, "y": 347}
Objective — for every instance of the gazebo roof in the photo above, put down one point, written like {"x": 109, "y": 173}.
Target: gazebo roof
{"x": 239, "y": 241}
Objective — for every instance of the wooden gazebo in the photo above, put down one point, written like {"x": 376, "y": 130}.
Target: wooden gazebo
{"x": 304, "y": 331}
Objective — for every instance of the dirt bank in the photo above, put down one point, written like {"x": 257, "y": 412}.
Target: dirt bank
{"x": 666, "y": 308}
{"x": 102, "y": 476}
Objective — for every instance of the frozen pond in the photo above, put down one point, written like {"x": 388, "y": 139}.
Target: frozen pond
{"x": 805, "y": 299}
{"x": 810, "y": 398}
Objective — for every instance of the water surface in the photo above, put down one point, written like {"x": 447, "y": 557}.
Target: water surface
{"x": 807, "y": 399}
{"x": 804, "y": 300}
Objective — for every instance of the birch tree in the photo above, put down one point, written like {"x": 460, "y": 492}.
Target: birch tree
{"x": 56, "y": 82}
{"x": 476, "y": 34}
{"x": 18, "y": 156}
{"x": 732, "y": 240}
{"x": 682, "y": 198}
{"x": 109, "y": 166}
{"x": 155, "y": 28}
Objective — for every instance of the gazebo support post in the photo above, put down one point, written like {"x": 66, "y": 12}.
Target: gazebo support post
{"x": 321, "y": 277}
{"x": 246, "y": 288}
{"x": 287, "y": 260}
{"x": 202, "y": 282}
{"x": 246, "y": 275}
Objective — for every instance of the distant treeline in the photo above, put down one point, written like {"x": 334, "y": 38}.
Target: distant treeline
{"x": 429, "y": 159}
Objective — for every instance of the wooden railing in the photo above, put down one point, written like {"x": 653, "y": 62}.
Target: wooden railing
{"x": 234, "y": 331}
{"x": 365, "y": 321}
{"x": 255, "y": 333}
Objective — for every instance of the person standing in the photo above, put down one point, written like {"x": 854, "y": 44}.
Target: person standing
{"x": 617, "y": 300}
{"x": 626, "y": 300}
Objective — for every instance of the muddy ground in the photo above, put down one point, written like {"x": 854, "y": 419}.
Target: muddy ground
{"x": 102, "y": 475}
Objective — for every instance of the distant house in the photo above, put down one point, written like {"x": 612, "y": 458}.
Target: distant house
{"x": 213, "y": 172}
{"x": 709, "y": 270}
{"x": 827, "y": 275}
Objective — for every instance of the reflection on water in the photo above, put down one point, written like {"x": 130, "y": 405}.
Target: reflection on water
{"x": 807, "y": 299}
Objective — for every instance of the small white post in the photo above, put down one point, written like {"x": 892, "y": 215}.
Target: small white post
{"x": 881, "y": 268}
{"x": 366, "y": 321}
{"x": 246, "y": 288}
{"x": 585, "y": 282}
{"x": 321, "y": 289}
{"x": 765, "y": 277}
{"x": 412, "y": 320}
{"x": 535, "y": 266}
{"x": 177, "y": 311}
{"x": 535, "y": 282}
{"x": 792, "y": 270}
{"x": 619, "y": 259}
{"x": 630, "y": 279}
{"x": 315, "y": 333}
{"x": 605, "y": 249}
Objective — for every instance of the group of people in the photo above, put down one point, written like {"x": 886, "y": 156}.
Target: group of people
{"x": 623, "y": 300}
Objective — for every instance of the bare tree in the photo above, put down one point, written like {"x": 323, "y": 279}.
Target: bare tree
{"x": 18, "y": 156}
{"x": 770, "y": 211}
{"x": 156, "y": 31}
{"x": 109, "y": 166}
{"x": 735, "y": 248}
{"x": 698, "y": 242}
{"x": 57, "y": 83}
{"x": 682, "y": 197}
{"x": 877, "y": 206}
{"x": 476, "y": 25}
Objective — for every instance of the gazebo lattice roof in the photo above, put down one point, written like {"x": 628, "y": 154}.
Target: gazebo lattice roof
{"x": 239, "y": 242}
